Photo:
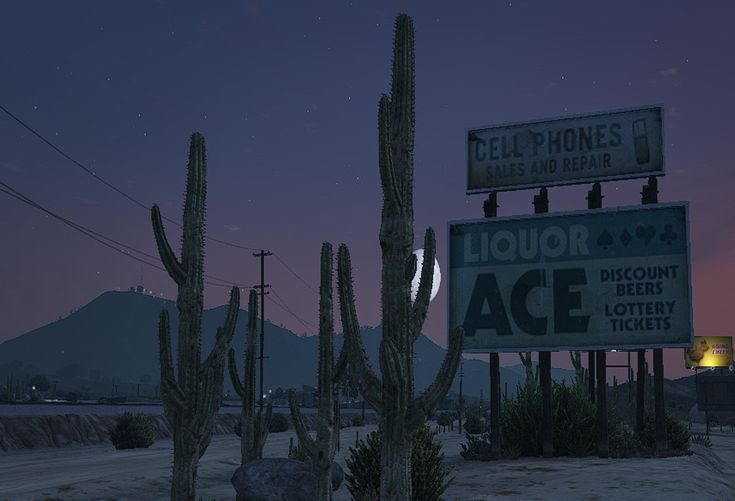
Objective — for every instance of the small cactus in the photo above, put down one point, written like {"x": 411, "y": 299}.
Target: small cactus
{"x": 254, "y": 428}
{"x": 322, "y": 449}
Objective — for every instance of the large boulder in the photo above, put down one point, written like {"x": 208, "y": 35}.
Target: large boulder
{"x": 274, "y": 479}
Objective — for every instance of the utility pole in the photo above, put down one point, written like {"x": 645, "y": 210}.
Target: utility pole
{"x": 262, "y": 254}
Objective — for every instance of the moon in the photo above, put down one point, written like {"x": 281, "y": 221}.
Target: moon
{"x": 417, "y": 276}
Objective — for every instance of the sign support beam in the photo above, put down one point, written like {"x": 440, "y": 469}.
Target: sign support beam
{"x": 490, "y": 208}
{"x": 650, "y": 196}
{"x": 541, "y": 205}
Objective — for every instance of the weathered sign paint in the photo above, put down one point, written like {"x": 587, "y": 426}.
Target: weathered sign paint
{"x": 579, "y": 149}
{"x": 709, "y": 351}
{"x": 596, "y": 279}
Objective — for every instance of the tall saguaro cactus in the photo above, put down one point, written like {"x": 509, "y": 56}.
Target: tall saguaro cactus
{"x": 253, "y": 428}
{"x": 322, "y": 449}
{"x": 392, "y": 397}
{"x": 192, "y": 399}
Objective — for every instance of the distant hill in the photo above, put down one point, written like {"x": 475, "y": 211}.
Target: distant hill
{"x": 115, "y": 337}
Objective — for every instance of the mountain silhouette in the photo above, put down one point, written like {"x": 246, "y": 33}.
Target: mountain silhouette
{"x": 116, "y": 336}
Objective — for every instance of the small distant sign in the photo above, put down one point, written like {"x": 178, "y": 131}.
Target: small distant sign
{"x": 590, "y": 280}
{"x": 716, "y": 393}
{"x": 569, "y": 150}
{"x": 709, "y": 351}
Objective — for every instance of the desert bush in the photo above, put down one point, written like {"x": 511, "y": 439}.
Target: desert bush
{"x": 622, "y": 440}
{"x": 279, "y": 423}
{"x": 299, "y": 453}
{"x": 428, "y": 473}
{"x": 477, "y": 447}
{"x": 132, "y": 431}
{"x": 445, "y": 418}
{"x": 699, "y": 439}
{"x": 473, "y": 424}
{"x": 677, "y": 433}
{"x": 520, "y": 421}
{"x": 575, "y": 419}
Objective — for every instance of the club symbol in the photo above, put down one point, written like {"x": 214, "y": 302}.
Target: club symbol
{"x": 645, "y": 233}
{"x": 669, "y": 235}
{"x": 625, "y": 238}
{"x": 605, "y": 240}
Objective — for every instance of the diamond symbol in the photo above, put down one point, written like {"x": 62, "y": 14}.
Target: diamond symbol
{"x": 626, "y": 237}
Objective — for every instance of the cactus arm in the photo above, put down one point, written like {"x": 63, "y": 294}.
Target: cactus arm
{"x": 430, "y": 399}
{"x": 341, "y": 365}
{"x": 365, "y": 378}
{"x": 225, "y": 333}
{"x": 262, "y": 428}
{"x": 234, "y": 377}
{"x": 168, "y": 258}
{"x": 423, "y": 296}
{"x": 385, "y": 163}
{"x": 169, "y": 387}
{"x": 304, "y": 439}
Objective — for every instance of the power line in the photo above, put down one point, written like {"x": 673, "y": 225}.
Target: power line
{"x": 287, "y": 310}
{"x": 103, "y": 239}
{"x": 295, "y": 274}
{"x": 285, "y": 307}
{"x": 106, "y": 183}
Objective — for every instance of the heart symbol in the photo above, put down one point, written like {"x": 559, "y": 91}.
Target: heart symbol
{"x": 645, "y": 233}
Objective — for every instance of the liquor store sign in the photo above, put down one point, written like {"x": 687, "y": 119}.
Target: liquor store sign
{"x": 584, "y": 148}
{"x": 596, "y": 279}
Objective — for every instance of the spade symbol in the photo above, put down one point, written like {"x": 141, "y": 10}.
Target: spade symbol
{"x": 668, "y": 235}
{"x": 645, "y": 233}
{"x": 605, "y": 240}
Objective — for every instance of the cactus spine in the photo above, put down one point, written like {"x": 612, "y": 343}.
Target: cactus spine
{"x": 253, "y": 428}
{"x": 400, "y": 414}
{"x": 192, "y": 399}
{"x": 322, "y": 449}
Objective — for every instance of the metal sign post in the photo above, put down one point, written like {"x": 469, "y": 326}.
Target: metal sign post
{"x": 491, "y": 210}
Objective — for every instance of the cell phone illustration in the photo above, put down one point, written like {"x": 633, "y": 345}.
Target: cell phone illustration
{"x": 640, "y": 139}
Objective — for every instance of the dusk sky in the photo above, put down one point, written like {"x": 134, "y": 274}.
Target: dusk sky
{"x": 286, "y": 96}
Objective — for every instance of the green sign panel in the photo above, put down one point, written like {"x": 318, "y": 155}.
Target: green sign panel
{"x": 578, "y": 149}
{"x": 589, "y": 280}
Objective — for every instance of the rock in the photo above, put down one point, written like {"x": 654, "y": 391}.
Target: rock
{"x": 274, "y": 479}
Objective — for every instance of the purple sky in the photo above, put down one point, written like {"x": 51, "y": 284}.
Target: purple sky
{"x": 286, "y": 95}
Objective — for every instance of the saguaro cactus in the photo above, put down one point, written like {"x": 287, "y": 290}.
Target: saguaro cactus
{"x": 528, "y": 365}
{"x": 322, "y": 449}
{"x": 192, "y": 399}
{"x": 253, "y": 428}
{"x": 400, "y": 414}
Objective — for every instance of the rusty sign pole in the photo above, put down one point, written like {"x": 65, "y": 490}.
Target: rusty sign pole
{"x": 491, "y": 210}
{"x": 541, "y": 206}
{"x": 650, "y": 196}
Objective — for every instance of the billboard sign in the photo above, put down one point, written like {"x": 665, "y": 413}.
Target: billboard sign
{"x": 709, "y": 351}
{"x": 569, "y": 150}
{"x": 588, "y": 280}
{"x": 716, "y": 393}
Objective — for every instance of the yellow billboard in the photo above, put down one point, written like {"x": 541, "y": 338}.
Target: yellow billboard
{"x": 709, "y": 351}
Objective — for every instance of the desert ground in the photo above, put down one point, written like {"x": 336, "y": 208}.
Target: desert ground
{"x": 102, "y": 473}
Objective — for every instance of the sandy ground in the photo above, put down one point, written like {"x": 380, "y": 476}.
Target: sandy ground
{"x": 100, "y": 472}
